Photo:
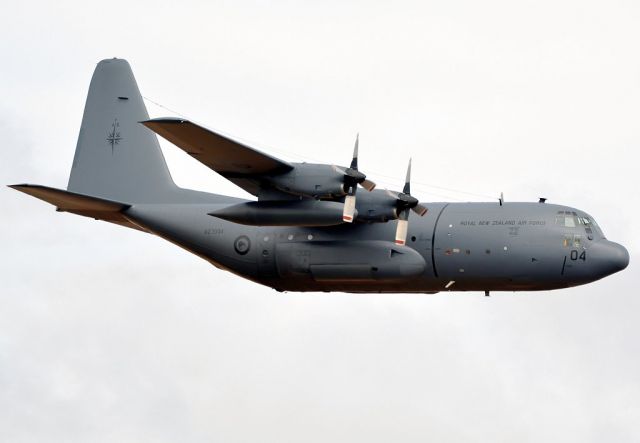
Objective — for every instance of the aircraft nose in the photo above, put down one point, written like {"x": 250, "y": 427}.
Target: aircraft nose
{"x": 620, "y": 257}
{"x": 617, "y": 256}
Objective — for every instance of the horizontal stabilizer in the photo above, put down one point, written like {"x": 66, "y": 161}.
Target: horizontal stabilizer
{"x": 79, "y": 204}
{"x": 231, "y": 159}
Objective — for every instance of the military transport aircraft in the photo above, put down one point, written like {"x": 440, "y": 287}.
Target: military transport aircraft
{"x": 311, "y": 228}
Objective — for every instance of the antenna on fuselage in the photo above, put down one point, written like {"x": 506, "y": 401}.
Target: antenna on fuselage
{"x": 501, "y": 199}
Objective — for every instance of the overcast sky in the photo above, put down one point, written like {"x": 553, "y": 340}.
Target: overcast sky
{"x": 107, "y": 334}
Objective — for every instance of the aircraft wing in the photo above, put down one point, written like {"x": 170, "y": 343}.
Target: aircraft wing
{"x": 235, "y": 161}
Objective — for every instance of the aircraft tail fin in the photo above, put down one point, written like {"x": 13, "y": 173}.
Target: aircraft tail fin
{"x": 116, "y": 157}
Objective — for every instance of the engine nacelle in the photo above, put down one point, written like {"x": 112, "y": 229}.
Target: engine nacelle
{"x": 376, "y": 206}
{"x": 283, "y": 213}
{"x": 311, "y": 180}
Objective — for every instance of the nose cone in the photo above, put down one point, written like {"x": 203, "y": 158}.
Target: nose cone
{"x": 619, "y": 257}
{"x": 613, "y": 256}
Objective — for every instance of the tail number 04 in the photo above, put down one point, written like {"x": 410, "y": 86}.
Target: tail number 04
{"x": 578, "y": 256}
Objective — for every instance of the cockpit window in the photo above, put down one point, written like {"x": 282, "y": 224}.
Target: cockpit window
{"x": 590, "y": 226}
{"x": 568, "y": 221}
{"x": 588, "y": 222}
{"x": 572, "y": 220}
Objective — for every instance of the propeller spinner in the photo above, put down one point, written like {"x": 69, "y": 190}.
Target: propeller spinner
{"x": 405, "y": 202}
{"x": 353, "y": 178}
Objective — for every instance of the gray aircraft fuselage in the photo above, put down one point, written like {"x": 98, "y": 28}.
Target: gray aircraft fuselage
{"x": 477, "y": 246}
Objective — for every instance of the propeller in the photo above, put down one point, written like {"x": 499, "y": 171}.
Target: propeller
{"x": 405, "y": 202}
{"x": 353, "y": 178}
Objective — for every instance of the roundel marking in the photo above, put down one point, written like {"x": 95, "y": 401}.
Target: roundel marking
{"x": 242, "y": 244}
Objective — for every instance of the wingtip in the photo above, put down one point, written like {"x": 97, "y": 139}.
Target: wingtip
{"x": 19, "y": 186}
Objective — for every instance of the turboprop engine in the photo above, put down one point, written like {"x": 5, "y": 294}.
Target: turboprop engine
{"x": 322, "y": 181}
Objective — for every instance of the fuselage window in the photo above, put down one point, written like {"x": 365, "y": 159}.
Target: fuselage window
{"x": 566, "y": 242}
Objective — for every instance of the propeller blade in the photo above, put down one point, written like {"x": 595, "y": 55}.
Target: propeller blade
{"x": 404, "y": 203}
{"x": 420, "y": 210}
{"x": 402, "y": 227}
{"x": 349, "y": 208}
{"x": 407, "y": 181}
{"x": 368, "y": 185}
{"x": 354, "y": 162}
{"x": 353, "y": 177}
